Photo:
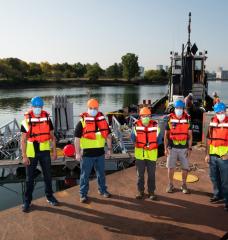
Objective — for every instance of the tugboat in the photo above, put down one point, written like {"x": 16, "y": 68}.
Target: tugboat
{"x": 187, "y": 76}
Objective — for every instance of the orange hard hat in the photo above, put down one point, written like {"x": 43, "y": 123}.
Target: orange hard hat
{"x": 69, "y": 150}
{"x": 145, "y": 111}
{"x": 92, "y": 103}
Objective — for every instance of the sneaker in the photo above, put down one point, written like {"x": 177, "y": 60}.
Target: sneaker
{"x": 105, "y": 194}
{"x": 139, "y": 195}
{"x": 215, "y": 199}
{"x": 83, "y": 199}
{"x": 184, "y": 189}
{"x": 26, "y": 207}
{"x": 152, "y": 196}
{"x": 170, "y": 188}
{"x": 52, "y": 200}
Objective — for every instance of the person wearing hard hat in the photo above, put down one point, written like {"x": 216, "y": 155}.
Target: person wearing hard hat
{"x": 178, "y": 144}
{"x": 37, "y": 133}
{"x": 217, "y": 153}
{"x": 216, "y": 98}
{"x": 91, "y": 133}
{"x": 144, "y": 135}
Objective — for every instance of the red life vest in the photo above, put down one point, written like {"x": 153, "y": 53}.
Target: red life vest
{"x": 218, "y": 132}
{"x": 93, "y": 125}
{"x": 179, "y": 127}
{"x": 146, "y": 137}
{"x": 39, "y": 128}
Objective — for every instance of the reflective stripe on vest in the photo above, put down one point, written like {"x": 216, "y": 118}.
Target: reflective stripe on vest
{"x": 146, "y": 137}
{"x": 179, "y": 129}
{"x": 91, "y": 124}
{"x": 143, "y": 154}
{"x": 30, "y": 151}
{"x": 37, "y": 128}
{"x": 218, "y": 133}
{"x": 98, "y": 142}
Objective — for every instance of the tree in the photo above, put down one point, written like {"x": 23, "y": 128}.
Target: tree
{"x": 94, "y": 71}
{"x": 114, "y": 71}
{"x": 79, "y": 69}
{"x": 46, "y": 68}
{"x": 156, "y": 75}
{"x": 34, "y": 70}
{"x": 130, "y": 65}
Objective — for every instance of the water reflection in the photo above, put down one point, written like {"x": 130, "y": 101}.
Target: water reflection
{"x": 130, "y": 96}
{"x": 12, "y": 103}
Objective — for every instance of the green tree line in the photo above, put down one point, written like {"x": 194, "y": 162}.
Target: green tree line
{"x": 17, "y": 69}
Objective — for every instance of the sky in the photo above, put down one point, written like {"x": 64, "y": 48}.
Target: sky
{"x": 102, "y": 31}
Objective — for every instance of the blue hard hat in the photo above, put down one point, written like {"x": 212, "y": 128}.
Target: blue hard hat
{"x": 219, "y": 107}
{"x": 37, "y": 102}
{"x": 179, "y": 104}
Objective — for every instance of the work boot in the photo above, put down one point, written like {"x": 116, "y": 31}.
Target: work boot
{"x": 83, "y": 199}
{"x": 52, "y": 200}
{"x": 170, "y": 188}
{"x": 184, "y": 189}
{"x": 152, "y": 196}
{"x": 26, "y": 207}
{"x": 139, "y": 195}
{"x": 105, "y": 194}
{"x": 215, "y": 199}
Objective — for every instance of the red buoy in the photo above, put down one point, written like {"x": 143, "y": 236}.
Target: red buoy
{"x": 69, "y": 150}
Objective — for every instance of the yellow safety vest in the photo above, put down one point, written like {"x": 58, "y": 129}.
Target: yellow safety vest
{"x": 30, "y": 151}
{"x": 220, "y": 150}
{"x": 86, "y": 143}
{"x": 144, "y": 154}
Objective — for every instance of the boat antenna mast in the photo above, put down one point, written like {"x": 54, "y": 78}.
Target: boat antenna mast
{"x": 189, "y": 34}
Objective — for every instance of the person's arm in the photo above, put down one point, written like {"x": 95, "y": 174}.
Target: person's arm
{"x": 78, "y": 135}
{"x": 78, "y": 155}
{"x": 133, "y": 137}
{"x": 159, "y": 136}
{"x": 109, "y": 144}
{"x": 26, "y": 160}
{"x": 189, "y": 142}
{"x": 166, "y": 141}
{"x": 207, "y": 157}
{"x": 53, "y": 139}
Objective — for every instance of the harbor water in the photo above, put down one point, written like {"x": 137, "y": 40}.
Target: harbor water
{"x": 14, "y": 102}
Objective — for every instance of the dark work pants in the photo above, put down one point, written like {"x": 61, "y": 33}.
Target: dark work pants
{"x": 45, "y": 162}
{"x": 141, "y": 166}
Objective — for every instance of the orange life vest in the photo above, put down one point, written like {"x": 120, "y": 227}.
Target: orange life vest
{"x": 93, "y": 125}
{"x": 179, "y": 127}
{"x": 38, "y": 127}
{"x": 218, "y": 132}
{"x": 146, "y": 137}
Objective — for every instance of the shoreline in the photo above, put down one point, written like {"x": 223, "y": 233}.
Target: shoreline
{"x": 5, "y": 84}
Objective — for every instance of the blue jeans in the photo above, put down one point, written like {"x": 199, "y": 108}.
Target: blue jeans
{"x": 219, "y": 177}
{"x": 45, "y": 162}
{"x": 87, "y": 164}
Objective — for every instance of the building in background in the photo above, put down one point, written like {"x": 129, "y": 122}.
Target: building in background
{"x": 221, "y": 74}
{"x": 211, "y": 75}
{"x": 166, "y": 68}
{"x": 159, "y": 67}
{"x": 141, "y": 71}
